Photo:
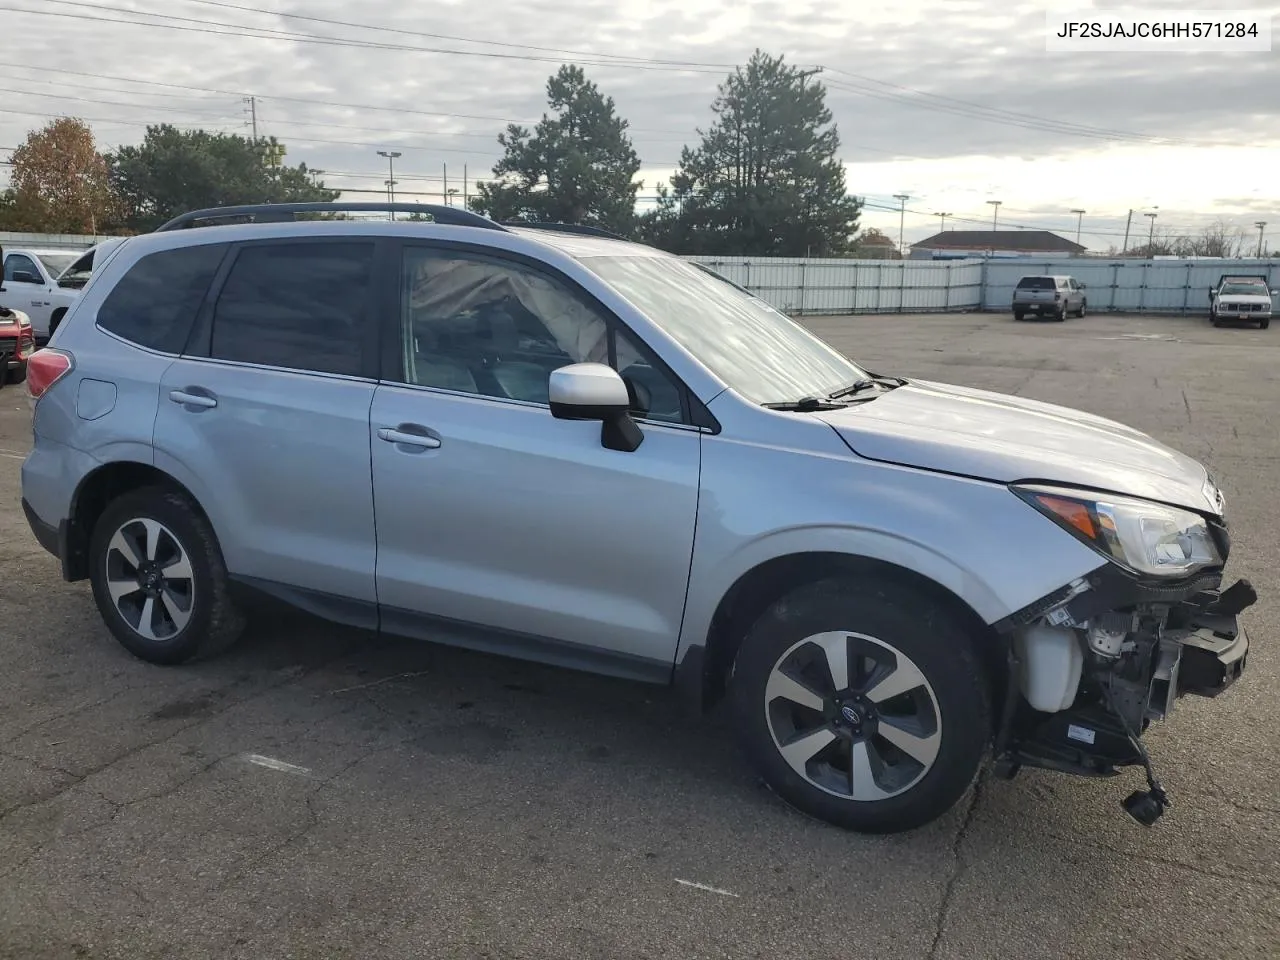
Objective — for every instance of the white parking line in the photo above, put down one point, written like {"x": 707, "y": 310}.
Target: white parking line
{"x": 277, "y": 765}
{"x": 703, "y": 886}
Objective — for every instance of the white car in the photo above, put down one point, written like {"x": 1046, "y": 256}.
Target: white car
{"x": 31, "y": 285}
{"x": 1244, "y": 299}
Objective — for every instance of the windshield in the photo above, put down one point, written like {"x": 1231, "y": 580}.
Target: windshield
{"x": 55, "y": 263}
{"x": 1243, "y": 288}
{"x": 754, "y": 349}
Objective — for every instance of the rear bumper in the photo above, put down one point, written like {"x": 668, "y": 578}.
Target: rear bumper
{"x": 46, "y": 534}
{"x": 1052, "y": 306}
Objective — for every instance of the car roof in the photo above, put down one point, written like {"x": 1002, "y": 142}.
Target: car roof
{"x": 513, "y": 238}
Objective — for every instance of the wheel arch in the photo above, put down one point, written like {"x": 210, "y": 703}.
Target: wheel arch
{"x": 92, "y": 495}
{"x": 702, "y": 675}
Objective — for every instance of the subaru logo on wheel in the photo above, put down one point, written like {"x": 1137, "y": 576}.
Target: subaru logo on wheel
{"x": 850, "y": 714}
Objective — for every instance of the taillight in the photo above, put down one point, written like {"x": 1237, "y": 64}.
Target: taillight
{"x": 26, "y": 343}
{"x": 45, "y": 368}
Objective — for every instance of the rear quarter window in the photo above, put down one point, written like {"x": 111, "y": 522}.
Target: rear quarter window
{"x": 155, "y": 303}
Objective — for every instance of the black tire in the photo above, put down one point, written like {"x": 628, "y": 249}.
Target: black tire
{"x": 1019, "y": 315}
{"x": 55, "y": 320}
{"x": 214, "y": 623}
{"x": 917, "y": 628}
{"x": 1061, "y": 315}
{"x": 1084, "y": 304}
{"x": 17, "y": 375}
{"x": 1263, "y": 324}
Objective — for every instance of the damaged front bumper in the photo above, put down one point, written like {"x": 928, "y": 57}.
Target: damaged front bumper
{"x": 1091, "y": 667}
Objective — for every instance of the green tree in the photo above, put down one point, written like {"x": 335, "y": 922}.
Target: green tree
{"x": 577, "y": 166}
{"x": 766, "y": 179}
{"x": 60, "y": 182}
{"x": 173, "y": 171}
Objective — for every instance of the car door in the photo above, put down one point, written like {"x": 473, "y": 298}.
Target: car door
{"x": 499, "y": 526}
{"x": 26, "y": 290}
{"x": 266, "y": 418}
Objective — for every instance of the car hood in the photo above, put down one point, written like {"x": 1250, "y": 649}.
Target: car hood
{"x": 1245, "y": 298}
{"x": 993, "y": 436}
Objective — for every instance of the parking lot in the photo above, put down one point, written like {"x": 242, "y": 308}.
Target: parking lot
{"x": 319, "y": 792}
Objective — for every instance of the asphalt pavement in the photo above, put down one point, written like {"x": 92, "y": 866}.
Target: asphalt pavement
{"x": 321, "y": 792}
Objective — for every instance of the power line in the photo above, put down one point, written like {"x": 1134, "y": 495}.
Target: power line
{"x": 268, "y": 33}
{"x": 458, "y": 39}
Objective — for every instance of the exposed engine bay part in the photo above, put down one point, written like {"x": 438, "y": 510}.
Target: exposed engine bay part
{"x": 1086, "y": 682}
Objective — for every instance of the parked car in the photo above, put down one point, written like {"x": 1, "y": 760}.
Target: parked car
{"x": 1049, "y": 297}
{"x": 30, "y": 278}
{"x": 590, "y": 453}
{"x": 1241, "y": 299}
{"x": 17, "y": 340}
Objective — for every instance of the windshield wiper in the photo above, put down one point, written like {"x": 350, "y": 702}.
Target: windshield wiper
{"x": 856, "y": 387}
{"x": 804, "y": 404}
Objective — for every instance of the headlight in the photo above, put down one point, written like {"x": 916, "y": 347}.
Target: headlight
{"x": 1147, "y": 538}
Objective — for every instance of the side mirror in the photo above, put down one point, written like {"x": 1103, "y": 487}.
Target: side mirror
{"x": 595, "y": 391}
{"x": 1212, "y": 293}
{"x": 24, "y": 276}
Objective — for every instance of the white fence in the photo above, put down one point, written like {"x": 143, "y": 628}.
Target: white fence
{"x": 800, "y": 286}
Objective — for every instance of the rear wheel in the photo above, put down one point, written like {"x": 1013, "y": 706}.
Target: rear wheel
{"x": 1061, "y": 315}
{"x": 17, "y": 374}
{"x": 1019, "y": 315}
{"x": 159, "y": 580}
{"x": 55, "y": 320}
{"x": 863, "y": 704}
{"x": 1084, "y": 304}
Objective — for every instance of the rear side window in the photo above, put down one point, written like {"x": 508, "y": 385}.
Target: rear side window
{"x": 1037, "y": 283}
{"x": 302, "y": 306}
{"x": 156, "y": 302}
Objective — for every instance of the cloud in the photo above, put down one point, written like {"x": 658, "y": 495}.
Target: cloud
{"x": 954, "y": 98}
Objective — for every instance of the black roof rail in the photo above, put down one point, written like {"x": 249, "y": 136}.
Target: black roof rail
{"x": 286, "y": 212}
{"x": 579, "y": 228}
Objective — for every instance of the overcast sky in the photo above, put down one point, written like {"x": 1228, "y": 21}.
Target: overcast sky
{"x": 954, "y": 102}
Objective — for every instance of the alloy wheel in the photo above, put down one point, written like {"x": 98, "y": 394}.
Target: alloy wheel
{"x": 853, "y": 715}
{"x": 149, "y": 579}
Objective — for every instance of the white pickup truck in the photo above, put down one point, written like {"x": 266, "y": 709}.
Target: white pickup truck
{"x": 31, "y": 285}
{"x": 1241, "y": 299}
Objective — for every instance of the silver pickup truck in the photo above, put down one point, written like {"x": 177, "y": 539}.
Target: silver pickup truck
{"x": 1048, "y": 297}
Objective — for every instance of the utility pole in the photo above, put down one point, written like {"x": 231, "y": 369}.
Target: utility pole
{"x": 902, "y": 218}
{"x": 253, "y": 115}
{"x": 942, "y": 220}
{"x": 1151, "y": 234}
{"x": 1260, "y": 224}
{"x": 1079, "y": 220}
{"x": 1127, "y": 224}
{"x": 391, "y": 176}
{"x": 465, "y": 205}
{"x": 445, "y": 168}
{"x": 995, "y": 213}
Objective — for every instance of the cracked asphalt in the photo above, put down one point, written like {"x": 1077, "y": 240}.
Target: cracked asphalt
{"x": 320, "y": 792}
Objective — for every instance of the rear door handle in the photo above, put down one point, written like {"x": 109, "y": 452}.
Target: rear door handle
{"x": 192, "y": 399}
{"x": 392, "y": 435}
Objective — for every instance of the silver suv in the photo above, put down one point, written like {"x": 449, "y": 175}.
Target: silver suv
{"x": 541, "y": 442}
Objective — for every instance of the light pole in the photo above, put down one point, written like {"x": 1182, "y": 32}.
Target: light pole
{"x": 1151, "y": 234}
{"x": 391, "y": 175}
{"x": 1079, "y": 220}
{"x": 902, "y": 198}
{"x": 1260, "y": 224}
{"x": 995, "y": 213}
{"x": 942, "y": 220}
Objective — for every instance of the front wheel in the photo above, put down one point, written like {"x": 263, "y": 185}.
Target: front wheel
{"x": 863, "y": 704}
{"x": 1019, "y": 315}
{"x": 1263, "y": 324}
{"x": 159, "y": 580}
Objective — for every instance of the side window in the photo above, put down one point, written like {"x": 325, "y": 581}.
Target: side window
{"x": 17, "y": 263}
{"x": 156, "y": 302}
{"x": 498, "y": 329}
{"x": 304, "y": 306}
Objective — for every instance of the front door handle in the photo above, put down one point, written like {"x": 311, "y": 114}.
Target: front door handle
{"x": 392, "y": 435}
{"x": 192, "y": 399}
